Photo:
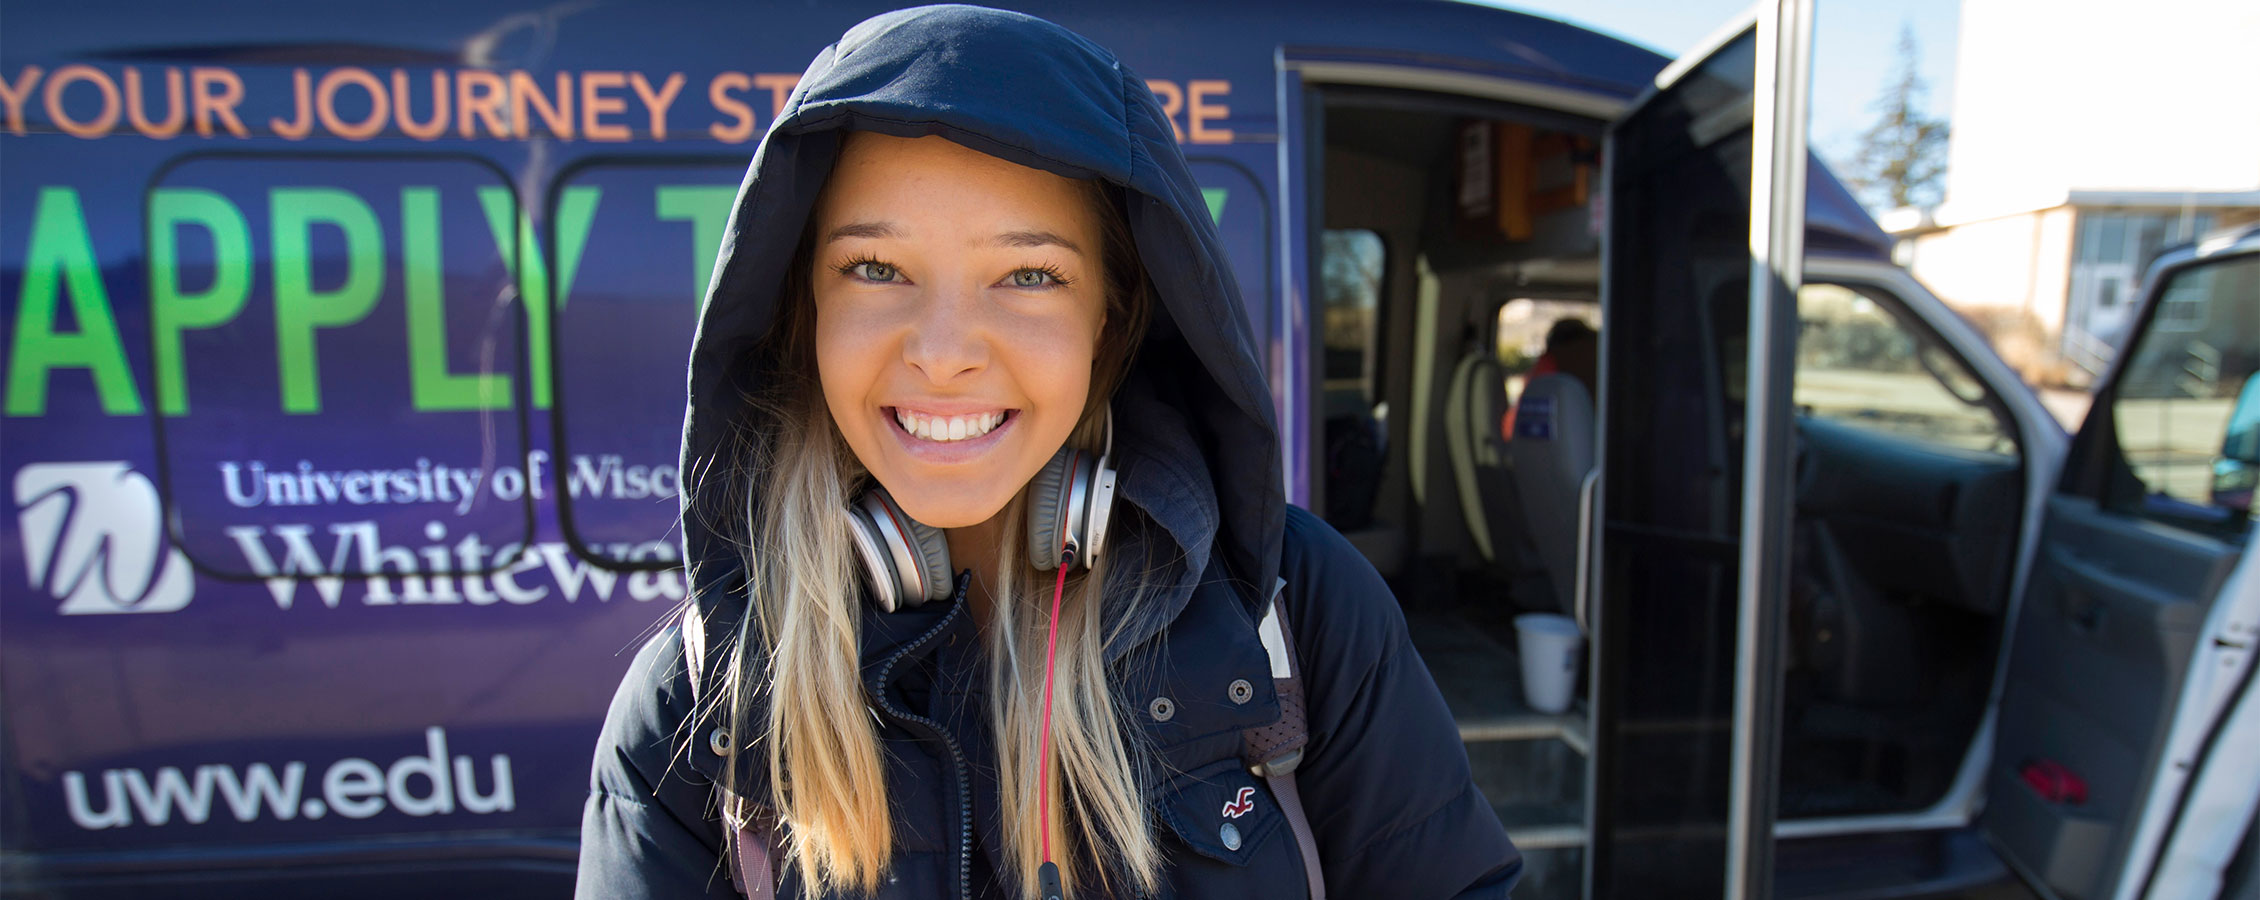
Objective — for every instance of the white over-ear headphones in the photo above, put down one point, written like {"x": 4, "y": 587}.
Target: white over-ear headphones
{"x": 906, "y": 562}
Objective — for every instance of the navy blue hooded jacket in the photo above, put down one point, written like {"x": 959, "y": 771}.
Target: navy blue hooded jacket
{"x": 1385, "y": 778}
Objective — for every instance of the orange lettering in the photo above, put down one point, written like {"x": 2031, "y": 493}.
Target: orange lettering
{"x": 780, "y": 85}
{"x": 719, "y": 92}
{"x": 1172, "y": 102}
{"x": 479, "y": 92}
{"x": 98, "y": 126}
{"x": 1202, "y": 113}
{"x": 422, "y": 131}
{"x": 302, "y": 87}
{"x": 595, "y": 104}
{"x": 325, "y": 103}
{"x": 524, "y": 92}
{"x": 14, "y": 96}
{"x": 176, "y": 111}
{"x": 211, "y": 105}
{"x": 657, "y": 103}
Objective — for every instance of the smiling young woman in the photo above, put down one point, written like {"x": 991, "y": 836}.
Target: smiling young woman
{"x": 965, "y": 317}
{"x": 986, "y": 525}
{"x": 960, "y": 301}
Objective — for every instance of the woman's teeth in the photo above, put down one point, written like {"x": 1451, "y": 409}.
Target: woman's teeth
{"x": 948, "y": 428}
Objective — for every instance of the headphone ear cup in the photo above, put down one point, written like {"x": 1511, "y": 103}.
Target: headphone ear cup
{"x": 1048, "y": 515}
{"x": 1069, "y": 499}
{"x": 1101, "y": 510}
{"x": 932, "y": 550}
{"x": 907, "y": 561}
{"x": 874, "y": 556}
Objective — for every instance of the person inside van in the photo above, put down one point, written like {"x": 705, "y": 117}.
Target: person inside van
{"x": 1573, "y": 348}
{"x": 995, "y": 589}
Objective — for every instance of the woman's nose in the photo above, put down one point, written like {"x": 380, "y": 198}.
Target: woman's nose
{"x": 948, "y": 336}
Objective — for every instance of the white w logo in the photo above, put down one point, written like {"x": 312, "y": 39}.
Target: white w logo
{"x": 94, "y": 538}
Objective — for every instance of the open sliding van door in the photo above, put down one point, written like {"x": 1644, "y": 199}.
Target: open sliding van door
{"x": 1701, "y": 259}
{"x": 2125, "y": 765}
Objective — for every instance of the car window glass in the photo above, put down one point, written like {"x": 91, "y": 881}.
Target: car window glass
{"x": 1859, "y": 363}
{"x": 2185, "y": 405}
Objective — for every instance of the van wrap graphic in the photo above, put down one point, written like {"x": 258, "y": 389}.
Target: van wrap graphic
{"x": 94, "y": 538}
{"x": 358, "y": 104}
{"x": 427, "y": 784}
{"x": 387, "y": 408}
{"x": 284, "y": 556}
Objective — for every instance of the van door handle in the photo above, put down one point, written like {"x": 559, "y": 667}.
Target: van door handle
{"x": 1586, "y": 539}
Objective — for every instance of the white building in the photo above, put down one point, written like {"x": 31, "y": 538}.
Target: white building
{"x": 2088, "y": 135}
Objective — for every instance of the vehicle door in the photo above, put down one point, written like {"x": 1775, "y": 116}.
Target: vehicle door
{"x": 2118, "y": 770}
{"x": 1704, "y": 217}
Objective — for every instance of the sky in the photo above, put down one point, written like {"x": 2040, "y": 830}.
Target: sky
{"x": 1855, "y": 48}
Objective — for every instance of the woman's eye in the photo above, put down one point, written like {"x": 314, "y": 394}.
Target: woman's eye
{"x": 874, "y": 271}
{"x": 1032, "y": 278}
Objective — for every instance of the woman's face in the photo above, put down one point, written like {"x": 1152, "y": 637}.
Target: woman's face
{"x": 959, "y": 301}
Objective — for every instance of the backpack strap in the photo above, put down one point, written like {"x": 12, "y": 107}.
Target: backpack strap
{"x": 751, "y": 871}
{"x": 1274, "y": 751}
{"x": 747, "y": 849}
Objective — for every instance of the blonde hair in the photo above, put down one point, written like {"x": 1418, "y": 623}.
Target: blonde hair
{"x": 799, "y": 647}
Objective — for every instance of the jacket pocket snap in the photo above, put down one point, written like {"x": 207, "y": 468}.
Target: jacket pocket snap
{"x": 1221, "y": 812}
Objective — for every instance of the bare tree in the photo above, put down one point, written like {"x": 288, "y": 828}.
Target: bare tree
{"x": 1901, "y": 159}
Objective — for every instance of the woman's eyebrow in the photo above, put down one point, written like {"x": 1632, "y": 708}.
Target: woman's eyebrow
{"x": 1019, "y": 239}
{"x": 1014, "y": 239}
{"x": 862, "y": 230}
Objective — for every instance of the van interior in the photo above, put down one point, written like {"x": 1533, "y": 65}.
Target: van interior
{"x": 1450, "y": 445}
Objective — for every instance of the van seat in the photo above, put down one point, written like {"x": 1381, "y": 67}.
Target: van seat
{"x": 1474, "y": 404}
{"x": 1551, "y": 452}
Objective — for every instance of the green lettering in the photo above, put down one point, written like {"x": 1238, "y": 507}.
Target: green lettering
{"x": 576, "y": 212}
{"x": 707, "y": 208}
{"x": 60, "y": 257}
{"x": 1215, "y": 198}
{"x": 299, "y": 308}
{"x": 431, "y": 385}
{"x": 172, "y": 310}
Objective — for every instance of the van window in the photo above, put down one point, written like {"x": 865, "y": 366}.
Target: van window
{"x": 335, "y": 348}
{"x": 1858, "y": 362}
{"x": 629, "y": 248}
{"x": 2186, "y": 406}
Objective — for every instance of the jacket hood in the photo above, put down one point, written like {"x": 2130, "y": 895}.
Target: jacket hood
{"x": 1195, "y": 444}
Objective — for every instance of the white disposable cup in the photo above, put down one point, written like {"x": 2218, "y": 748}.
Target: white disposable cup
{"x": 1549, "y": 643}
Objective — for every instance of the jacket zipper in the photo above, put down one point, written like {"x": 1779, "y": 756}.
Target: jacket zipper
{"x": 934, "y": 729}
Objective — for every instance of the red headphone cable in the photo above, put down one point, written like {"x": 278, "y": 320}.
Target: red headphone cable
{"x": 1048, "y": 876}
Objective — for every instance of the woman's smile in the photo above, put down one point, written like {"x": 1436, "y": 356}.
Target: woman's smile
{"x": 948, "y": 439}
